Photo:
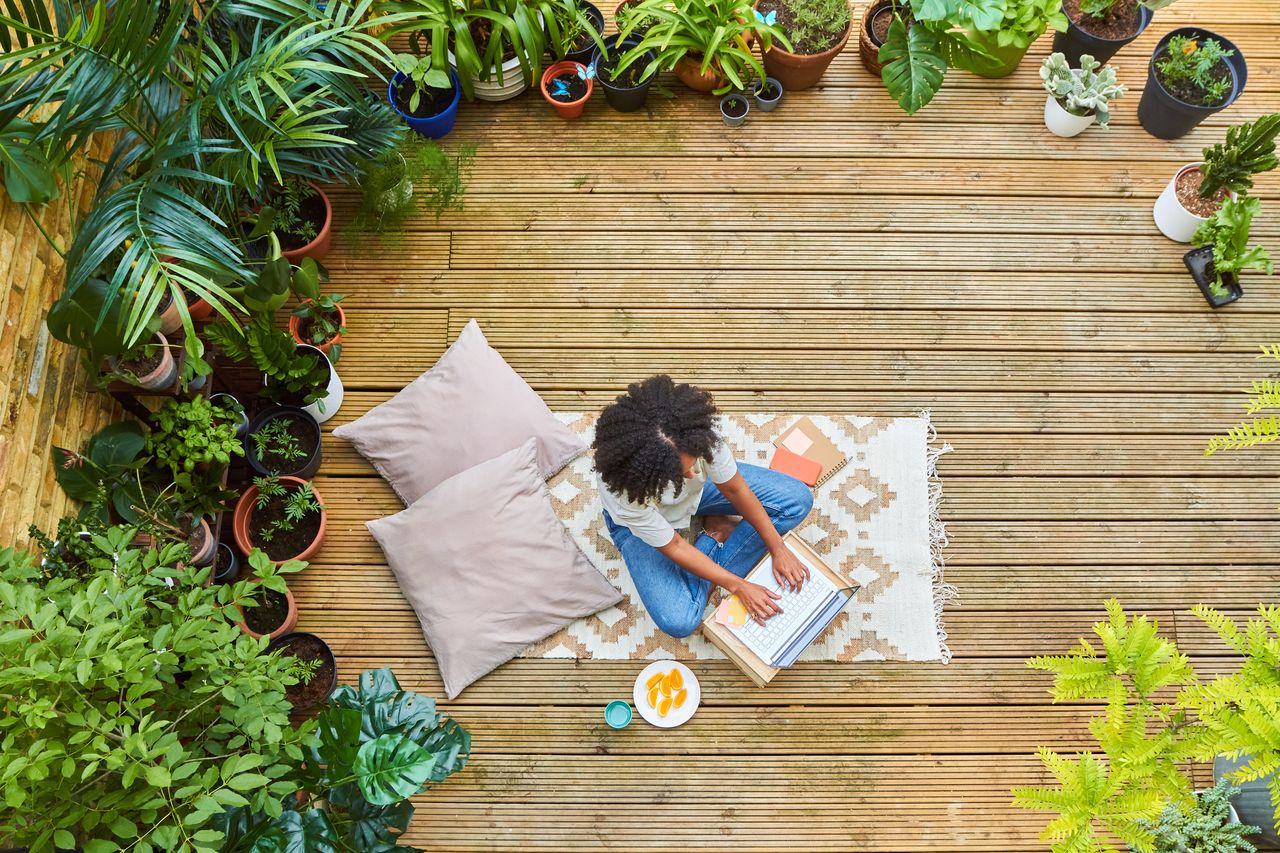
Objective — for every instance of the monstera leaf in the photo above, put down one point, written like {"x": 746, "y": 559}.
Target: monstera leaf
{"x": 979, "y": 14}
{"x": 392, "y": 768}
{"x": 913, "y": 65}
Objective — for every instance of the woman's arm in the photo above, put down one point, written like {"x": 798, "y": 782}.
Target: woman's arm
{"x": 759, "y": 602}
{"x": 787, "y": 567}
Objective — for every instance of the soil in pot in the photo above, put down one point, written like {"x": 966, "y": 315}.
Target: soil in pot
{"x": 144, "y": 364}
{"x": 432, "y": 102}
{"x": 481, "y": 32}
{"x": 224, "y": 561}
{"x": 735, "y": 107}
{"x": 1120, "y": 22}
{"x": 567, "y": 88}
{"x": 880, "y": 23}
{"x": 310, "y": 209}
{"x": 198, "y": 537}
{"x": 305, "y": 324}
{"x": 307, "y": 648}
{"x": 768, "y": 92}
{"x": 1188, "y": 189}
{"x": 631, "y": 76}
{"x": 284, "y": 544}
{"x": 304, "y": 438}
{"x": 809, "y": 40}
{"x": 270, "y": 612}
{"x": 1187, "y": 90}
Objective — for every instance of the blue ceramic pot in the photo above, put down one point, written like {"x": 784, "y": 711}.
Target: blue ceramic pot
{"x": 433, "y": 127}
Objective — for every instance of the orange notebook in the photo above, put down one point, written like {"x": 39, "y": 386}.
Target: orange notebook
{"x": 803, "y": 469}
{"x": 804, "y": 439}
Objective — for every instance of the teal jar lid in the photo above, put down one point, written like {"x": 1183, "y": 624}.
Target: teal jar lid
{"x": 618, "y": 714}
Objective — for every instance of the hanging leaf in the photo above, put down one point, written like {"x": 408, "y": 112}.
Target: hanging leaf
{"x": 392, "y": 768}
{"x": 913, "y": 65}
{"x": 117, "y": 445}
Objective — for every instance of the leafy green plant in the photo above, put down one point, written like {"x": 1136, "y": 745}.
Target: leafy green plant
{"x": 1249, "y": 149}
{"x": 297, "y": 503}
{"x": 1146, "y": 737}
{"x": 274, "y": 439}
{"x": 1197, "y": 68}
{"x": 422, "y": 178}
{"x": 135, "y": 712}
{"x": 1265, "y": 396}
{"x": 716, "y": 35}
{"x": 292, "y": 375}
{"x": 319, "y": 322}
{"x": 482, "y": 33}
{"x": 817, "y": 25}
{"x": 422, "y": 74}
{"x": 1025, "y": 21}
{"x": 1081, "y": 92}
{"x": 283, "y": 210}
{"x": 189, "y": 433}
{"x": 1103, "y": 8}
{"x": 1204, "y": 827}
{"x": 928, "y": 36}
{"x": 1228, "y": 232}
{"x": 378, "y": 746}
{"x": 105, "y": 476}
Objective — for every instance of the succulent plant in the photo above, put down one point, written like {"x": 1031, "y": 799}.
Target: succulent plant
{"x": 1081, "y": 91}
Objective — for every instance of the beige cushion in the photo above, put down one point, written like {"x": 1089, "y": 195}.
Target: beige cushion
{"x": 468, "y": 408}
{"x": 488, "y": 567}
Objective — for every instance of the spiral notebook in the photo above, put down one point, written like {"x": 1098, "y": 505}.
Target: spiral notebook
{"x": 805, "y": 439}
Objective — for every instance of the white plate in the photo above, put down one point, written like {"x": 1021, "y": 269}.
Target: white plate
{"x": 677, "y": 716}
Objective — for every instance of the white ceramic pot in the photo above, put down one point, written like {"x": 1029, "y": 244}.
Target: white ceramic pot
{"x": 327, "y": 406}
{"x": 1175, "y": 221}
{"x": 513, "y": 80}
{"x": 1062, "y": 122}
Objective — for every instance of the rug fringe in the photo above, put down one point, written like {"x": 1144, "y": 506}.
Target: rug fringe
{"x": 943, "y": 592}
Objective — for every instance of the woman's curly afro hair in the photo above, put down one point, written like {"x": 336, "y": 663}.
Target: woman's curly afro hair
{"x": 639, "y": 438}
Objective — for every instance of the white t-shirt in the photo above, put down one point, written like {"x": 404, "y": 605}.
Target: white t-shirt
{"x": 656, "y": 523}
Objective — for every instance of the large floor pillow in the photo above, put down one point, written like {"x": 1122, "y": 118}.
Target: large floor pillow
{"x": 468, "y": 408}
{"x": 488, "y": 567}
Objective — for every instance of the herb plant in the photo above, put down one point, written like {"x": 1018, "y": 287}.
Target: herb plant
{"x": 188, "y": 433}
{"x": 1197, "y": 69}
{"x": 1228, "y": 233}
{"x": 1103, "y": 8}
{"x": 274, "y": 439}
{"x": 284, "y": 210}
{"x": 1204, "y": 827}
{"x": 298, "y": 503}
{"x": 817, "y": 25}
{"x": 1248, "y": 150}
{"x": 421, "y": 74}
{"x": 1083, "y": 92}
{"x": 1264, "y": 397}
{"x": 135, "y": 712}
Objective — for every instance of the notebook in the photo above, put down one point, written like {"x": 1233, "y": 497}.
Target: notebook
{"x": 803, "y": 438}
{"x": 803, "y": 469}
{"x": 761, "y": 651}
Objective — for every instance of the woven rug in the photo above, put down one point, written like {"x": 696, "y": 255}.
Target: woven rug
{"x": 875, "y": 522}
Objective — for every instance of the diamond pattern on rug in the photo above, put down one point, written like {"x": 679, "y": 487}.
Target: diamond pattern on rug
{"x": 874, "y": 521}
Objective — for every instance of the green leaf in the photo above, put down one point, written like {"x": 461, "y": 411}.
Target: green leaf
{"x": 392, "y": 768}
{"x": 117, "y": 445}
{"x": 62, "y": 838}
{"x": 308, "y": 832}
{"x": 913, "y": 65}
{"x": 158, "y": 776}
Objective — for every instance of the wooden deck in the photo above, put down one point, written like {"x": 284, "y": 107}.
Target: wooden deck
{"x": 836, "y": 256}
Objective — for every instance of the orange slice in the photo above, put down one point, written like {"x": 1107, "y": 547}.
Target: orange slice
{"x": 678, "y": 699}
{"x": 653, "y": 698}
{"x": 677, "y": 680}
{"x": 666, "y": 684}
{"x": 653, "y": 681}
{"x": 664, "y": 705}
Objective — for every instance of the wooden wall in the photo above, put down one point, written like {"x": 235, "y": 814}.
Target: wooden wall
{"x": 46, "y": 398}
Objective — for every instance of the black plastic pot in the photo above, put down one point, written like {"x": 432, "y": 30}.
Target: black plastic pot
{"x": 1200, "y": 262}
{"x": 231, "y": 572}
{"x": 1166, "y": 117}
{"x": 305, "y": 468}
{"x": 622, "y": 98}
{"x": 1253, "y": 803}
{"x": 319, "y": 691}
{"x": 1075, "y": 42}
{"x": 597, "y": 18}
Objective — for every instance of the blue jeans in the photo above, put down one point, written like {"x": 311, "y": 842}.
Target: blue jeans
{"x": 675, "y": 598}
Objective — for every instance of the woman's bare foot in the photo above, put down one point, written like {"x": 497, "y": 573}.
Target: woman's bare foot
{"x": 718, "y": 527}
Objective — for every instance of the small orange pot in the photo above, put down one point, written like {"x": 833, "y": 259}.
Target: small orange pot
{"x": 572, "y": 109}
{"x": 295, "y": 326}
{"x": 319, "y": 247}
{"x": 688, "y": 69}
{"x": 285, "y": 627}
{"x": 244, "y": 512}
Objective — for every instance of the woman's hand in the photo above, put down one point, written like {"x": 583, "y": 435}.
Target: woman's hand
{"x": 759, "y": 602}
{"x": 788, "y": 570}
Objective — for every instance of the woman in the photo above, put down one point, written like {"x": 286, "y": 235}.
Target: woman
{"x": 660, "y": 462}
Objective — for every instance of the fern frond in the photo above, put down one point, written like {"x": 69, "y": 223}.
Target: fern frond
{"x": 1266, "y": 395}
{"x": 1246, "y": 434}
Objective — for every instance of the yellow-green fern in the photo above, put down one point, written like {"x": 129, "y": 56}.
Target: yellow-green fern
{"x": 1264, "y": 396}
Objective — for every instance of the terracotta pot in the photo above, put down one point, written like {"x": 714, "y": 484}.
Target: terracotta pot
{"x": 868, "y": 50}
{"x": 170, "y": 317}
{"x": 797, "y": 71}
{"x": 285, "y": 627}
{"x": 244, "y": 513}
{"x": 688, "y": 70}
{"x": 572, "y": 109}
{"x": 165, "y": 373}
{"x": 319, "y": 247}
{"x": 205, "y": 555}
{"x": 295, "y": 324}
{"x": 199, "y": 310}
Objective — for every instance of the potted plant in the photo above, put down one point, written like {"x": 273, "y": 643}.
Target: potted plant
{"x": 581, "y": 29}
{"x": 300, "y": 214}
{"x": 1252, "y": 802}
{"x": 1024, "y": 21}
{"x": 320, "y": 321}
{"x": 296, "y": 374}
{"x": 1192, "y": 75}
{"x": 149, "y": 366}
{"x": 708, "y": 43}
{"x": 284, "y": 441}
{"x": 106, "y": 476}
{"x": 625, "y": 18}
{"x": 876, "y": 18}
{"x": 1100, "y": 28}
{"x": 627, "y": 89}
{"x": 1197, "y": 189}
{"x": 768, "y": 94}
{"x": 424, "y": 96}
{"x": 566, "y": 86}
{"x": 1209, "y": 825}
{"x": 1216, "y": 265}
{"x": 187, "y": 434}
{"x": 1078, "y": 97}
{"x": 266, "y": 605}
{"x": 313, "y": 690}
{"x": 229, "y": 403}
{"x": 226, "y": 565}
{"x": 817, "y": 31}
{"x": 282, "y": 516}
{"x": 734, "y": 108}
